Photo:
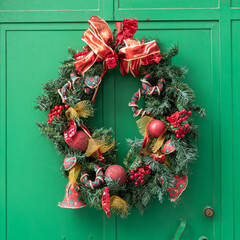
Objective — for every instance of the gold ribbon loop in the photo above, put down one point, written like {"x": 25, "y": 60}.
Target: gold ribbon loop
{"x": 82, "y": 109}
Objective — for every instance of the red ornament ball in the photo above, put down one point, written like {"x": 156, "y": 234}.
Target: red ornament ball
{"x": 116, "y": 172}
{"x": 156, "y": 128}
{"x": 79, "y": 141}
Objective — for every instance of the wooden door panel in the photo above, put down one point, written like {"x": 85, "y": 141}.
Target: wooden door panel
{"x": 143, "y": 5}
{"x": 34, "y": 182}
{"x": 49, "y": 5}
{"x": 31, "y": 48}
{"x": 236, "y": 115}
{"x": 203, "y": 78}
{"x": 235, "y": 3}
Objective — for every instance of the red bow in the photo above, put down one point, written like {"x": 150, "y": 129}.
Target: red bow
{"x": 135, "y": 53}
{"x": 98, "y": 38}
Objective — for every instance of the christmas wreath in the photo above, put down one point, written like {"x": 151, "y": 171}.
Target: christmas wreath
{"x": 156, "y": 165}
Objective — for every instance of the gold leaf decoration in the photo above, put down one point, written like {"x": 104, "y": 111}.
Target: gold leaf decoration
{"x": 118, "y": 204}
{"x": 73, "y": 173}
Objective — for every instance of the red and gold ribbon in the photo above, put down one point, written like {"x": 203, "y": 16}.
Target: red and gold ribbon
{"x": 135, "y": 53}
{"x": 98, "y": 37}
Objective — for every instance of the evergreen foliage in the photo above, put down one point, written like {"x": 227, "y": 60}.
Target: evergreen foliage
{"x": 175, "y": 96}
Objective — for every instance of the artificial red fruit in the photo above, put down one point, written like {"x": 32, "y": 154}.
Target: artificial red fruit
{"x": 189, "y": 113}
{"x": 60, "y": 107}
{"x": 79, "y": 141}
{"x": 156, "y": 128}
{"x": 186, "y": 125}
{"x": 142, "y": 181}
{"x": 146, "y": 167}
{"x": 178, "y": 135}
{"x": 183, "y": 135}
{"x": 116, "y": 172}
{"x": 66, "y": 106}
{"x": 148, "y": 171}
{"x": 132, "y": 172}
{"x": 136, "y": 183}
{"x": 56, "y": 107}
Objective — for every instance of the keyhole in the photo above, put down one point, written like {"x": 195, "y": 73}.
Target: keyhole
{"x": 203, "y": 238}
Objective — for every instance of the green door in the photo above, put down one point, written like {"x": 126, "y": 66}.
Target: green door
{"x": 34, "y": 38}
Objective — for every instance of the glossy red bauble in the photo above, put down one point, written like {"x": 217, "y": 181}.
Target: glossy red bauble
{"x": 116, "y": 172}
{"x": 79, "y": 141}
{"x": 156, "y": 128}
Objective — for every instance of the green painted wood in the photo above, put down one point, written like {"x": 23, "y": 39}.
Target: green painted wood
{"x": 235, "y": 110}
{"x": 141, "y": 4}
{"x": 235, "y": 3}
{"x": 3, "y": 136}
{"x": 201, "y": 191}
{"x": 46, "y": 5}
{"x": 226, "y": 120}
{"x": 31, "y": 185}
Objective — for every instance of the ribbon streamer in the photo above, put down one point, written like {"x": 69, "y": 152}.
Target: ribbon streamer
{"x": 143, "y": 124}
{"x": 106, "y": 201}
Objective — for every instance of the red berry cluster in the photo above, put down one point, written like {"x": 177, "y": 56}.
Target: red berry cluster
{"x": 139, "y": 174}
{"x": 176, "y": 119}
{"x": 55, "y": 112}
{"x": 180, "y": 132}
{"x": 183, "y": 118}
